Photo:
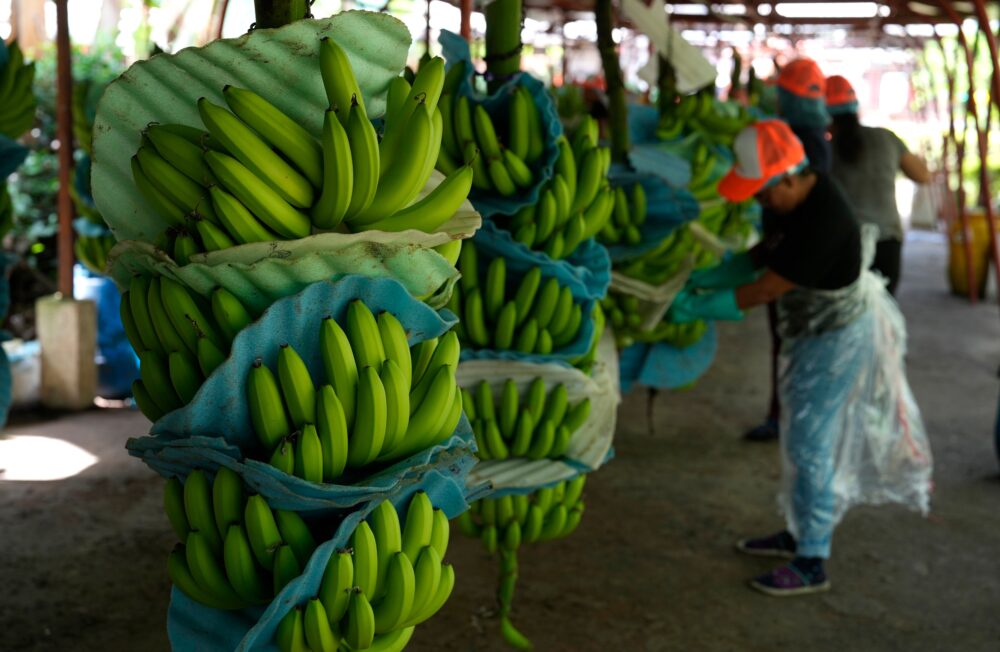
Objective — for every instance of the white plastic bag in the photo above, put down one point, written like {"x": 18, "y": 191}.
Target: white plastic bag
{"x": 654, "y": 300}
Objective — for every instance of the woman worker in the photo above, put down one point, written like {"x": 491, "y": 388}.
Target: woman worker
{"x": 865, "y": 163}
{"x": 841, "y": 354}
{"x": 802, "y": 104}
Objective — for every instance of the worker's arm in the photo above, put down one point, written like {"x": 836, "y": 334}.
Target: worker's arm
{"x": 764, "y": 290}
{"x": 729, "y": 303}
{"x": 914, "y": 168}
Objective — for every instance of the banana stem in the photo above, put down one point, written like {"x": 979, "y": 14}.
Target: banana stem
{"x": 503, "y": 40}
{"x": 275, "y": 13}
{"x": 666, "y": 83}
{"x": 508, "y": 579}
{"x": 613, "y": 78}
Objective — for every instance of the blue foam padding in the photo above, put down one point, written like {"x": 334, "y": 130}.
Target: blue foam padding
{"x": 664, "y": 366}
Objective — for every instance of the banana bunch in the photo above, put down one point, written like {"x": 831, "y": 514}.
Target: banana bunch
{"x": 375, "y": 592}
{"x": 678, "y": 335}
{"x": 382, "y": 400}
{"x": 627, "y": 218}
{"x": 505, "y": 523}
{"x": 180, "y": 338}
{"x": 93, "y": 252}
{"x": 665, "y": 260}
{"x": 719, "y": 122}
{"x": 17, "y": 99}
{"x": 537, "y": 425}
{"x": 623, "y": 313}
{"x": 576, "y": 204}
{"x": 536, "y": 317}
{"x": 236, "y": 551}
{"x": 255, "y": 175}
{"x": 502, "y": 167}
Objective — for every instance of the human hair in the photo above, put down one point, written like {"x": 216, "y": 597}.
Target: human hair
{"x": 847, "y": 141}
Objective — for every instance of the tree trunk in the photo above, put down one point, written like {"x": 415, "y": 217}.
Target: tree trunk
{"x": 618, "y": 121}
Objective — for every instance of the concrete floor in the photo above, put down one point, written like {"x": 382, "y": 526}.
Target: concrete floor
{"x": 651, "y": 567}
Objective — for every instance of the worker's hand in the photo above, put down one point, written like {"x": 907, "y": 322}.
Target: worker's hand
{"x": 737, "y": 270}
{"x": 690, "y": 305}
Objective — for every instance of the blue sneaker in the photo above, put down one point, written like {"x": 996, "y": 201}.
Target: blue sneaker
{"x": 793, "y": 579}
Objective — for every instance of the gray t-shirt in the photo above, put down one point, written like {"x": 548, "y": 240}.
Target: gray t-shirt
{"x": 870, "y": 182}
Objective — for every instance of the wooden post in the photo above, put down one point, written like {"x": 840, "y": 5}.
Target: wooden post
{"x": 951, "y": 72}
{"x": 427, "y": 28}
{"x": 275, "y": 13}
{"x": 466, "y": 25}
{"x": 982, "y": 136}
{"x": 64, "y": 132}
{"x": 618, "y": 121}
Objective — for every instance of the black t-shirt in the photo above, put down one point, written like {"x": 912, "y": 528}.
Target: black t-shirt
{"x": 816, "y": 246}
{"x": 817, "y": 147}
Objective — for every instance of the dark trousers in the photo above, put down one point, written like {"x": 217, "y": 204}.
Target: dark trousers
{"x": 887, "y": 261}
{"x": 774, "y": 411}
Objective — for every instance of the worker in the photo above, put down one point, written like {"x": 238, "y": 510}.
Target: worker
{"x": 865, "y": 163}
{"x": 841, "y": 355}
{"x": 801, "y": 104}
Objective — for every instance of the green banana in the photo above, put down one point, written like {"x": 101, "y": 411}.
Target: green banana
{"x": 365, "y": 558}
{"x": 212, "y": 237}
{"x": 291, "y": 633}
{"x": 339, "y": 364}
{"x": 508, "y": 408}
{"x": 419, "y": 525}
{"x": 309, "y": 454}
{"x": 364, "y": 336}
{"x": 180, "y": 575}
{"x": 145, "y": 402}
{"x": 286, "y": 567}
{"x": 297, "y": 387}
{"x": 338, "y": 175}
{"x": 166, "y": 334}
{"x": 156, "y": 379}
{"x": 397, "y": 603}
{"x": 174, "y": 186}
{"x": 331, "y": 426}
{"x": 202, "y": 560}
{"x": 229, "y": 313}
{"x": 227, "y": 499}
{"x": 279, "y": 130}
{"x": 441, "y": 532}
{"x": 342, "y": 90}
{"x": 180, "y": 153}
{"x": 262, "y": 530}
{"x": 262, "y": 200}
{"x": 296, "y": 534}
{"x": 523, "y": 432}
{"x": 335, "y": 587}
{"x": 475, "y": 324}
{"x": 368, "y": 434}
{"x": 139, "y": 303}
{"x": 319, "y": 635}
{"x": 173, "y": 505}
{"x": 186, "y": 315}
{"x": 267, "y": 409}
{"x": 503, "y": 333}
{"x": 365, "y": 156}
{"x": 209, "y": 356}
{"x": 384, "y": 522}
{"x": 256, "y": 154}
{"x": 429, "y": 213}
{"x": 524, "y": 298}
{"x": 241, "y": 569}
{"x": 237, "y": 218}
{"x": 397, "y": 396}
{"x": 360, "y": 630}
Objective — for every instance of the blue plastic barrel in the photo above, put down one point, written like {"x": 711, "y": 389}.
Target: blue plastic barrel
{"x": 117, "y": 364}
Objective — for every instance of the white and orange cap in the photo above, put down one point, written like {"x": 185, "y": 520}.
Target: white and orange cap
{"x": 765, "y": 151}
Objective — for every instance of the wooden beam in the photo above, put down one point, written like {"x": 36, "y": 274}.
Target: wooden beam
{"x": 64, "y": 132}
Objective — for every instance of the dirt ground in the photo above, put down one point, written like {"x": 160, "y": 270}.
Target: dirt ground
{"x": 651, "y": 567}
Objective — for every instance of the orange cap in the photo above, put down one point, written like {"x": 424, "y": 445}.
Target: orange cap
{"x": 803, "y": 78}
{"x": 839, "y": 91}
{"x": 764, "y": 151}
